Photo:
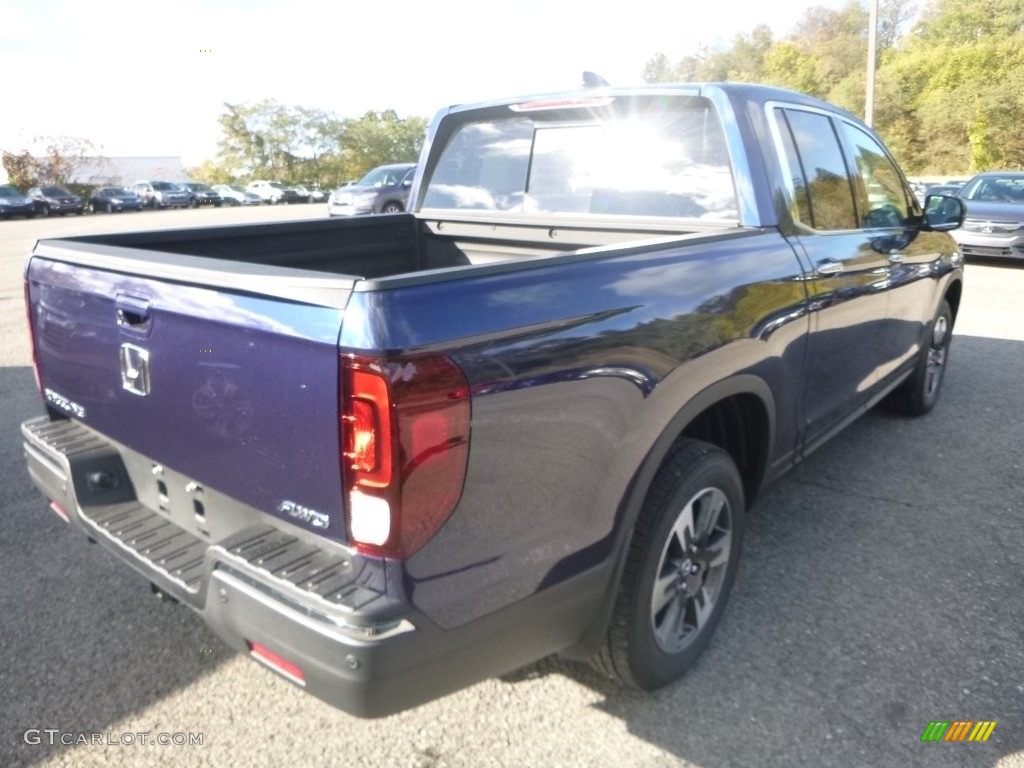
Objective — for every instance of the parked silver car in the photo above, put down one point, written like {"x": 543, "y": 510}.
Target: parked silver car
{"x": 994, "y": 226}
{"x": 234, "y": 194}
{"x": 161, "y": 194}
{"x": 385, "y": 189}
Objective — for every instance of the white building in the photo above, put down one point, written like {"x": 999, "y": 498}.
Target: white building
{"x": 125, "y": 171}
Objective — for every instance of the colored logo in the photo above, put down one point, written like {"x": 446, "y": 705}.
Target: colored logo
{"x": 958, "y": 730}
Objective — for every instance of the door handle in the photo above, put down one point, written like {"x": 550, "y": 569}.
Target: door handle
{"x": 895, "y": 258}
{"x": 133, "y": 312}
{"x": 828, "y": 267}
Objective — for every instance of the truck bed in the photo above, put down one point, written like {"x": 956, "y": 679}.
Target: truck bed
{"x": 365, "y": 249}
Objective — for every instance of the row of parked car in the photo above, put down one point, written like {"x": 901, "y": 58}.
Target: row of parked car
{"x": 57, "y": 201}
{"x": 385, "y": 189}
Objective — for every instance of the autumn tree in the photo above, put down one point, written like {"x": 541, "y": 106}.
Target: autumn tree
{"x": 949, "y": 90}
{"x": 22, "y": 169}
{"x": 63, "y": 157}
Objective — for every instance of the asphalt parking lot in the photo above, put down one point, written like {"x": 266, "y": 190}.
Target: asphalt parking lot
{"x": 880, "y": 589}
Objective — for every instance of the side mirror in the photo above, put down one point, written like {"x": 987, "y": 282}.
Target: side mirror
{"x": 943, "y": 213}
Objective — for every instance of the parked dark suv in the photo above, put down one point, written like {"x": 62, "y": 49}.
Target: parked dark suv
{"x": 50, "y": 200}
{"x": 112, "y": 199}
{"x": 201, "y": 194}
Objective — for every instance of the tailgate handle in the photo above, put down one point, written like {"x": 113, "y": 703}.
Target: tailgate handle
{"x": 133, "y": 312}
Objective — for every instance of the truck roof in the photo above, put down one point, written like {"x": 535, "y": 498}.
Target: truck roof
{"x": 735, "y": 92}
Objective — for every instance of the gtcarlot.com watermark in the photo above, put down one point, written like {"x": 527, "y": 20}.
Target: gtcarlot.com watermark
{"x": 55, "y": 737}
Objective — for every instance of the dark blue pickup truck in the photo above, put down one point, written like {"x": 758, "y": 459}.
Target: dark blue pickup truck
{"x": 391, "y": 456}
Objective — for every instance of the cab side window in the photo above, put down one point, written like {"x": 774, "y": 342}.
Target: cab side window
{"x": 881, "y": 197}
{"x": 823, "y": 194}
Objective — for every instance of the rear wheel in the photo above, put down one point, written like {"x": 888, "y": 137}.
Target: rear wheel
{"x": 680, "y": 568}
{"x": 918, "y": 394}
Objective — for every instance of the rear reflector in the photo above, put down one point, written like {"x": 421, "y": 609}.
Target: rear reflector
{"x": 61, "y": 512}
{"x": 277, "y": 663}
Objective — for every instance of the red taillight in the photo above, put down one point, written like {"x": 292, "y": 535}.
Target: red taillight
{"x": 367, "y": 430}
{"x": 405, "y": 443}
{"x": 32, "y": 337}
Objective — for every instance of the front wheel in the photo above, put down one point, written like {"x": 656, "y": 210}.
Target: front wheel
{"x": 917, "y": 395}
{"x": 679, "y": 570}
{"x": 391, "y": 207}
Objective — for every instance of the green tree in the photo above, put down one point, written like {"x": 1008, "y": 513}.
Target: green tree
{"x": 381, "y": 137}
{"x": 211, "y": 172}
{"x": 258, "y": 139}
{"x": 958, "y": 76}
{"x": 272, "y": 140}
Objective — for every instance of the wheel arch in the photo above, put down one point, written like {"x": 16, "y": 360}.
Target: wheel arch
{"x": 736, "y": 415}
{"x": 953, "y": 295}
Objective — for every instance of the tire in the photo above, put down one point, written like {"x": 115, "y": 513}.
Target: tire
{"x": 391, "y": 206}
{"x": 193, "y": 203}
{"x": 687, "y": 543}
{"x": 110, "y": 207}
{"x": 44, "y": 210}
{"x": 918, "y": 394}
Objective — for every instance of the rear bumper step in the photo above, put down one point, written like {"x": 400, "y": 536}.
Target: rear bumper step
{"x": 67, "y": 460}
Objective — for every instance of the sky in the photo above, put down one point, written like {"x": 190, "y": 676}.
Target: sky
{"x": 150, "y": 78}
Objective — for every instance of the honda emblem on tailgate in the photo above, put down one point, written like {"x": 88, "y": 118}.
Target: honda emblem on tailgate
{"x": 135, "y": 369}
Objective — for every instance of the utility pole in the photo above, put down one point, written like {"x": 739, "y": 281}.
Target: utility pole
{"x": 869, "y": 101}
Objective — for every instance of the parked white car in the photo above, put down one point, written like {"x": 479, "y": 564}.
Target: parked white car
{"x": 311, "y": 192}
{"x": 235, "y": 194}
{"x": 274, "y": 192}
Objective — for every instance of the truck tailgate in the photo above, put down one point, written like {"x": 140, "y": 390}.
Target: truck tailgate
{"x": 228, "y": 388}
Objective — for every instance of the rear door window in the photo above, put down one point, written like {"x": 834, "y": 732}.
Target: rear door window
{"x": 823, "y": 197}
{"x": 882, "y": 198}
